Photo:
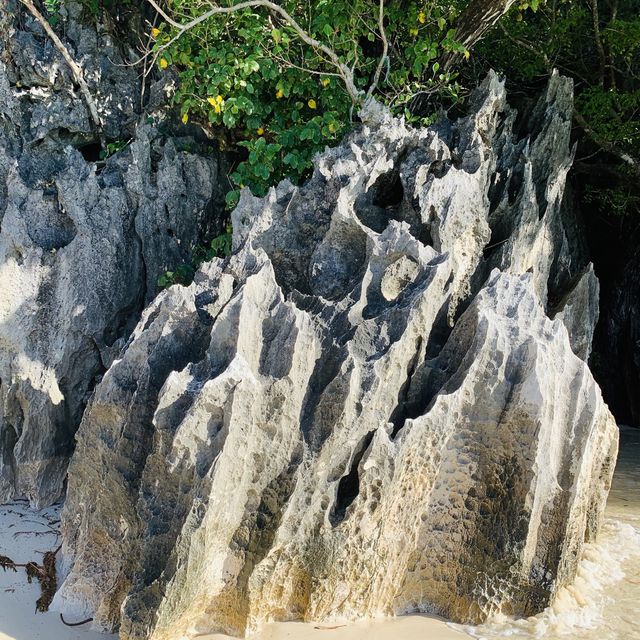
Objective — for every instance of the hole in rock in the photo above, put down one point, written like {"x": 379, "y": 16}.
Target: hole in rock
{"x": 402, "y": 410}
{"x": 349, "y": 485}
{"x": 8, "y": 441}
{"x": 424, "y": 235}
{"x": 428, "y": 371}
{"x": 515, "y": 184}
{"x": 53, "y": 229}
{"x": 387, "y": 190}
{"x": 440, "y": 168}
{"x": 498, "y": 237}
{"x": 382, "y": 202}
{"x": 91, "y": 151}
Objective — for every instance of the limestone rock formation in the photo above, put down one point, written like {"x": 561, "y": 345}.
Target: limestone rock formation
{"x": 366, "y": 409}
{"x": 82, "y": 242}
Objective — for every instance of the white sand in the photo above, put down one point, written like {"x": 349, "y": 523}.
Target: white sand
{"x": 403, "y": 628}
{"x": 25, "y": 536}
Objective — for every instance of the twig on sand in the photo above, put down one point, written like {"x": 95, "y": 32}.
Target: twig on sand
{"x": 75, "y": 624}
{"x": 45, "y": 574}
{"x": 327, "y": 628}
{"x": 35, "y": 533}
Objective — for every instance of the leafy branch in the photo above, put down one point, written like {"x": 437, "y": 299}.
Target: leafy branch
{"x": 358, "y": 97}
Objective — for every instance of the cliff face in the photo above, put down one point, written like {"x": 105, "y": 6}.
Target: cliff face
{"x": 82, "y": 241}
{"x": 373, "y": 406}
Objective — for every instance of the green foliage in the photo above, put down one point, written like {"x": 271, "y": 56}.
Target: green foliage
{"x": 113, "y": 147}
{"x": 605, "y": 66}
{"x": 279, "y": 99}
{"x": 613, "y": 115}
{"x": 96, "y": 8}
{"x": 617, "y": 201}
{"x": 219, "y": 247}
{"x": 52, "y": 9}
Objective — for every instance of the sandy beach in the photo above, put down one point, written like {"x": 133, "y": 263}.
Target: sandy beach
{"x": 404, "y": 628}
{"x": 24, "y": 537}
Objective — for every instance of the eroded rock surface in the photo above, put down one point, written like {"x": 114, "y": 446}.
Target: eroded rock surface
{"x": 82, "y": 242}
{"x": 366, "y": 409}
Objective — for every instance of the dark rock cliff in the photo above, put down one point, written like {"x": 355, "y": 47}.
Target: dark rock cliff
{"x": 82, "y": 240}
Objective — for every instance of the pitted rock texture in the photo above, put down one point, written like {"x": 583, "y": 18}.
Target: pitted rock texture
{"x": 365, "y": 410}
{"x": 82, "y": 243}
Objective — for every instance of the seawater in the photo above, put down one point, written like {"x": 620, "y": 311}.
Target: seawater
{"x": 604, "y": 601}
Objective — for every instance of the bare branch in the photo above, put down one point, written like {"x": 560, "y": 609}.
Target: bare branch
{"x": 385, "y": 51}
{"x": 598, "y": 40}
{"x": 607, "y": 146}
{"x": 529, "y": 47}
{"x": 474, "y": 22}
{"x": 73, "y": 65}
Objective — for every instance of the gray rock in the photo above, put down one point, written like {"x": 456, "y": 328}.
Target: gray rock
{"x": 82, "y": 244}
{"x": 303, "y": 434}
{"x": 578, "y": 310}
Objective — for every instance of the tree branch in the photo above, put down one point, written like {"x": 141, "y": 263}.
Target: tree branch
{"x": 343, "y": 70}
{"x": 598, "y": 40}
{"x": 385, "y": 51}
{"x": 607, "y": 146}
{"x": 474, "y": 22}
{"x": 72, "y": 64}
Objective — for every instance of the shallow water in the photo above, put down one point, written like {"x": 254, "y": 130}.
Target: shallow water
{"x": 604, "y": 602}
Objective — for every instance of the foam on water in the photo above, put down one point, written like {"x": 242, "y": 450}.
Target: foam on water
{"x": 590, "y": 608}
{"x": 604, "y": 600}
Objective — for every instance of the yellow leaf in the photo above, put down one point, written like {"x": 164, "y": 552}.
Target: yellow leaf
{"x": 155, "y": 32}
{"x": 219, "y": 99}
{"x": 212, "y": 101}
{"x": 185, "y": 118}
{"x": 422, "y": 17}
{"x": 466, "y": 54}
{"x": 325, "y": 82}
{"x": 312, "y": 104}
{"x": 260, "y": 131}
{"x": 279, "y": 94}
{"x": 163, "y": 63}
{"x": 413, "y": 32}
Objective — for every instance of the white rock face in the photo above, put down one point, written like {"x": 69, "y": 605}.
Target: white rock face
{"x": 365, "y": 410}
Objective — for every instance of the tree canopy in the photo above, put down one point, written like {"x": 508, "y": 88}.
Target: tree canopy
{"x": 277, "y": 80}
